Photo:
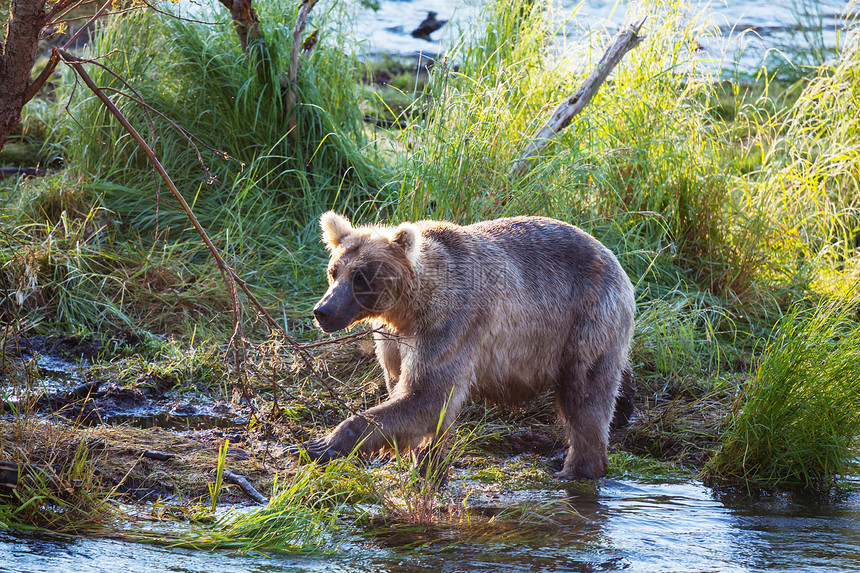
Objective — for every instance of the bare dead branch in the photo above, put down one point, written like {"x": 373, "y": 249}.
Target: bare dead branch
{"x": 193, "y": 140}
{"x": 293, "y": 73}
{"x": 49, "y": 68}
{"x": 237, "y": 341}
{"x": 627, "y": 39}
{"x": 231, "y": 279}
{"x": 246, "y": 486}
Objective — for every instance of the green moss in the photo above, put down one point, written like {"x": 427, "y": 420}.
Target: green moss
{"x": 624, "y": 465}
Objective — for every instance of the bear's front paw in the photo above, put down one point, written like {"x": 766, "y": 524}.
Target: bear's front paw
{"x": 586, "y": 471}
{"x": 316, "y": 450}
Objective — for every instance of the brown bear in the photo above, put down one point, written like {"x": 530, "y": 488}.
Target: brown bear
{"x": 500, "y": 310}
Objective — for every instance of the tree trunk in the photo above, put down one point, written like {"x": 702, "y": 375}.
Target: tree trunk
{"x": 245, "y": 19}
{"x": 17, "y": 56}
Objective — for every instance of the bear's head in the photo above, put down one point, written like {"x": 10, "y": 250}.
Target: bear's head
{"x": 369, "y": 270}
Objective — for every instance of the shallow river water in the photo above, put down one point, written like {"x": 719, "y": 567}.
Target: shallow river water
{"x": 736, "y": 35}
{"x": 620, "y": 525}
{"x": 742, "y": 30}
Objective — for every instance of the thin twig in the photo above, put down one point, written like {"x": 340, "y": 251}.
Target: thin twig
{"x": 152, "y": 7}
{"x": 340, "y": 339}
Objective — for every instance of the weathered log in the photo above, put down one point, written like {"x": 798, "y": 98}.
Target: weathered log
{"x": 246, "y": 486}
{"x": 12, "y": 474}
{"x": 160, "y": 456}
{"x": 627, "y": 39}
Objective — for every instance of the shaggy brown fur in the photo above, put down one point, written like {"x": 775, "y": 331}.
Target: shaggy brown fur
{"x": 501, "y": 310}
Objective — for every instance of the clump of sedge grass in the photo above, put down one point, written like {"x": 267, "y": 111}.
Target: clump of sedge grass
{"x": 797, "y": 423}
{"x": 59, "y": 487}
{"x": 413, "y": 494}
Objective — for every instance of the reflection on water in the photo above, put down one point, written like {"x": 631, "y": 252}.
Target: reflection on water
{"x": 621, "y": 525}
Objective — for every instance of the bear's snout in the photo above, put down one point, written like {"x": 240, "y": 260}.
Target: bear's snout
{"x": 337, "y": 309}
{"x": 321, "y": 313}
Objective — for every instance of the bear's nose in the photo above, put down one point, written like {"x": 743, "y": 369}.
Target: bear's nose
{"x": 321, "y": 313}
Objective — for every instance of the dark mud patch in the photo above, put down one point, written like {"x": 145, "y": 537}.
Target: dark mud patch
{"x": 69, "y": 351}
{"x": 92, "y": 404}
{"x": 58, "y": 383}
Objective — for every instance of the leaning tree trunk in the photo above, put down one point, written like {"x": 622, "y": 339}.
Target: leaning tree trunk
{"x": 17, "y": 56}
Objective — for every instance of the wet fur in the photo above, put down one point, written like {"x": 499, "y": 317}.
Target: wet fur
{"x": 501, "y": 310}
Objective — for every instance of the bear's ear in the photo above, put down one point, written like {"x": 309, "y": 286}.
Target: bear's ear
{"x": 408, "y": 237}
{"x": 335, "y": 228}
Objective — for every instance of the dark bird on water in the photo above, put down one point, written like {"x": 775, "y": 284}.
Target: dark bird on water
{"x": 428, "y": 26}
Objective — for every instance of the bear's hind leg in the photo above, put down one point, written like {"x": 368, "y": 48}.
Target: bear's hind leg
{"x": 585, "y": 399}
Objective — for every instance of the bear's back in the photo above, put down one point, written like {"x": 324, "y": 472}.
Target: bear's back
{"x": 531, "y": 290}
{"x": 538, "y": 254}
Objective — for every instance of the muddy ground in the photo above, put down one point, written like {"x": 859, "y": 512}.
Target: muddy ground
{"x": 148, "y": 438}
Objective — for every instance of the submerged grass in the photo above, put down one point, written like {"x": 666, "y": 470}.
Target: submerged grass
{"x": 297, "y": 519}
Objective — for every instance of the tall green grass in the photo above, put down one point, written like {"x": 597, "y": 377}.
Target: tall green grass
{"x": 199, "y": 78}
{"x": 66, "y": 266}
{"x": 809, "y": 177}
{"x": 797, "y": 421}
{"x": 260, "y": 205}
{"x": 646, "y": 167}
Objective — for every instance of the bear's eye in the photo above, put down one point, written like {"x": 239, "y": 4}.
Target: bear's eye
{"x": 360, "y": 282}
{"x": 333, "y": 273}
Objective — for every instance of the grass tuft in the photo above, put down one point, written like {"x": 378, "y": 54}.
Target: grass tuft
{"x": 797, "y": 420}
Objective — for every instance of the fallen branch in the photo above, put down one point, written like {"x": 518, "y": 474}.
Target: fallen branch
{"x": 624, "y": 41}
{"x": 246, "y": 486}
{"x": 231, "y": 279}
{"x": 160, "y": 456}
